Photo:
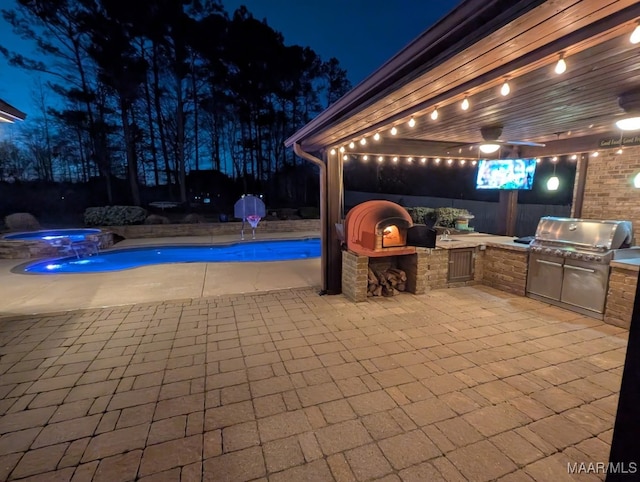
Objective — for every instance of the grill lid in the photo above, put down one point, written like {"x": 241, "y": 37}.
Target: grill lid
{"x": 584, "y": 233}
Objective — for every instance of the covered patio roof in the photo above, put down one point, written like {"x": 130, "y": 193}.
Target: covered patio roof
{"x": 8, "y": 113}
{"x": 469, "y": 54}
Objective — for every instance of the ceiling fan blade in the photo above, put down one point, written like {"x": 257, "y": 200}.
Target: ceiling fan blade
{"x": 524, "y": 143}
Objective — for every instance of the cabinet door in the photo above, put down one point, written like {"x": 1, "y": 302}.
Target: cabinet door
{"x": 461, "y": 264}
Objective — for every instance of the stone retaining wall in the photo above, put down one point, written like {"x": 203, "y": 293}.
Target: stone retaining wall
{"x": 23, "y": 249}
{"x": 212, "y": 229}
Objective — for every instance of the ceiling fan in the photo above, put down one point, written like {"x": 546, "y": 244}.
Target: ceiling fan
{"x": 491, "y": 143}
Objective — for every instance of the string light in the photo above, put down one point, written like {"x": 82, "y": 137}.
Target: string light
{"x": 412, "y": 122}
{"x": 595, "y": 154}
{"x": 345, "y": 158}
{"x": 376, "y": 137}
{"x": 538, "y": 160}
{"x": 463, "y": 162}
{"x": 554, "y": 159}
{"x": 332, "y": 152}
{"x": 341, "y": 149}
{"x": 635, "y": 36}
{"x": 423, "y": 160}
{"x": 394, "y": 131}
{"x": 363, "y": 142}
{"x": 505, "y": 89}
{"x": 352, "y": 145}
{"x": 465, "y": 104}
{"x": 365, "y": 158}
{"x": 380, "y": 158}
{"x": 395, "y": 159}
{"x": 410, "y": 160}
{"x": 437, "y": 160}
{"x": 619, "y": 151}
{"x": 561, "y": 66}
{"x": 574, "y": 157}
{"x": 434, "y": 114}
{"x": 473, "y": 163}
{"x": 449, "y": 161}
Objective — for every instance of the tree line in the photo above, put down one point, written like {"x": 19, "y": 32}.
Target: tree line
{"x": 149, "y": 89}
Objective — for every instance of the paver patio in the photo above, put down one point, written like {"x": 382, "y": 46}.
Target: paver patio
{"x": 457, "y": 384}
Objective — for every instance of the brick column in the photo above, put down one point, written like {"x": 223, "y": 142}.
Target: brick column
{"x": 622, "y": 291}
{"x": 354, "y": 276}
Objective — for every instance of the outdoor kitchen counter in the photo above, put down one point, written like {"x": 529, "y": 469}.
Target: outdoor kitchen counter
{"x": 477, "y": 239}
{"x": 632, "y": 264}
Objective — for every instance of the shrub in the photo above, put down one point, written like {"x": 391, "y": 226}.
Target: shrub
{"x": 193, "y": 219}
{"x": 418, "y": 213}
{"x": 21, "y": 222}
{"x": 309, "y": 212}
{"x": 156, "y": 219}
{"x": 114, "y": 215}
{"x": 447, "y": 216}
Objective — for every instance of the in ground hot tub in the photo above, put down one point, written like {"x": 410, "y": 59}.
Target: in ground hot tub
{"x": 53, "y": 242}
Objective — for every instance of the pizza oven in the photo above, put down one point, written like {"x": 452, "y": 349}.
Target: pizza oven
{"x": 378, "y": 228}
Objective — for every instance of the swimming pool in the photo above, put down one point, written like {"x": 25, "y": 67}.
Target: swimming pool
{"x": 119, "y": 259}
{"x": 74, "y": 235}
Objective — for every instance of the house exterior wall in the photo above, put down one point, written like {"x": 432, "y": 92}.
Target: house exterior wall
{"x": 609, "y": 191}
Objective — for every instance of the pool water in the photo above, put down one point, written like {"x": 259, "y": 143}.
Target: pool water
{"x": 280, "y": 250}
{"x": 74, "y": 235}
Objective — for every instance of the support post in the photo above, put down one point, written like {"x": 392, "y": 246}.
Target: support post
{"x": 334, "y": 213}
{"x": 508, "y": 212}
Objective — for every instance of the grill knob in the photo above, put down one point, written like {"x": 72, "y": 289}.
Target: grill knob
{"x": 558, "y": 252}
{"x": 598, "y": 259}
{"x": 547, "y": 251}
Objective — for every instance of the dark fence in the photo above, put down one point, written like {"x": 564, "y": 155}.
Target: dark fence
{"x": 486, "y": 213}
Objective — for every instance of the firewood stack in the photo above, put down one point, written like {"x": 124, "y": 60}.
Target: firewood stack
{"x": 386, "y": 283}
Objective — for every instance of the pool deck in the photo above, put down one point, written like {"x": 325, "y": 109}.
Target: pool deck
{"x": 28, "y": 294}
{"x": 461, "y": 384}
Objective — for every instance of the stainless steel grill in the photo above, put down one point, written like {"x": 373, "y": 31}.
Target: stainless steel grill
{"x": 569, "y": 261}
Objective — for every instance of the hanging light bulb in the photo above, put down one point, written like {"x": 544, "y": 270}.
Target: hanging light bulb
{"x": 332, "y": 152}
{"x": 449, "y": 161}
{"x": 465, "y": 104}
{"x": 423, "y": 160}
{"x": 635, "y": 36}
{"x": 505, "y": 89}
{"x": 561, "y": 66}
{"x": 380, "y": 158}
{"x": 341, "y": 149}
{"x": 434, "y": 114}
{"x": 537, "y": 160}
{"x": 410, "y": 160}
{"x": 345, "y": 158}
{"x": 395, "y": 159}
{"x": 437, "y": 160}
{"x": 554, "y": 159}
{"x": 365, "y": 158}
{"x": 376, "y": 137}
{"x": 412, "y": 122}
{"x": 574, "y": 157}
{"x": 473, "y": 163}
{"x": 352, "y": 145}
{"x": 394, "y": 131}
{"x": 463, "y": 162}
{"x": 363, "y": 142}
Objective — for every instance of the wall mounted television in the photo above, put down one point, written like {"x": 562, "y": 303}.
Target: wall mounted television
{"x": 506, "y": 174}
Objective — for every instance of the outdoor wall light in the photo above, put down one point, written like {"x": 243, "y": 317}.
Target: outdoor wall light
{"x": 561, "y": 66}
{"x": 489, "y": 148}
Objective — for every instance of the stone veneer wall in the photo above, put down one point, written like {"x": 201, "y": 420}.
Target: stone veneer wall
{"x": 620, "y": 297}
{"x": 212, "y": 229}
{"x": 22, "y": 249}
{"x": 354, "y": 276}
{"x": 437, "y": 268}
{"x": 506, "y": 269}
{"x": 609, "y": 191}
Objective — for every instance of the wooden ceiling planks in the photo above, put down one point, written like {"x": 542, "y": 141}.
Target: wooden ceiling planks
{"x": 579, "y": 13}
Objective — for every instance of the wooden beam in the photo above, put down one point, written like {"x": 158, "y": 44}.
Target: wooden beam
{"x": 579, "y": 185}
{"x": 508, "y": 212}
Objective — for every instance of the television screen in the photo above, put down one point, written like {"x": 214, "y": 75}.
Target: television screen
{"x": 506, "y": 174}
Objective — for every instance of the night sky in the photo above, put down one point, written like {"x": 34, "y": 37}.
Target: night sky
{"x": 361, "y": 34}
